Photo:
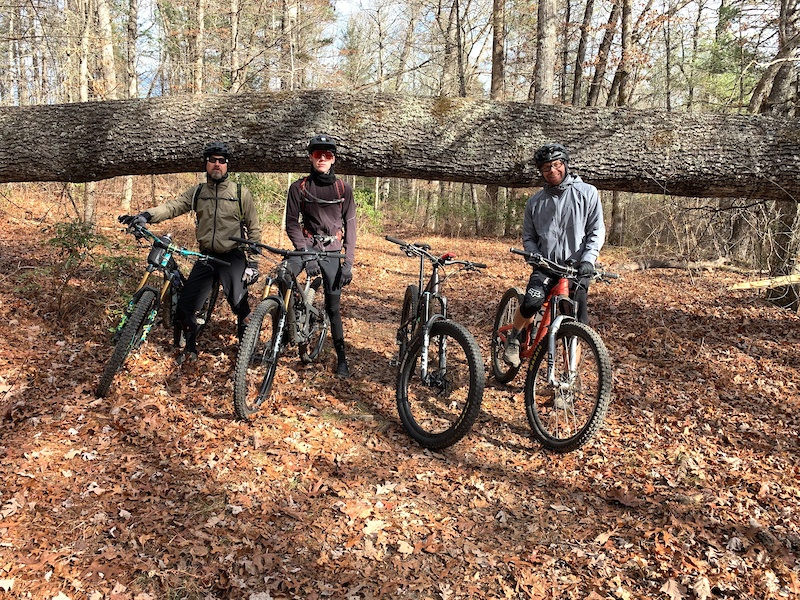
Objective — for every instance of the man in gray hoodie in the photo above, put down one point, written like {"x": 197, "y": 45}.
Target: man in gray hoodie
{"x": 564, "y": 223}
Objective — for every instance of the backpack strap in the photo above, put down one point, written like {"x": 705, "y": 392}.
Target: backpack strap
{"x": 194, "y": 199}
{"x": 242, "y": 228}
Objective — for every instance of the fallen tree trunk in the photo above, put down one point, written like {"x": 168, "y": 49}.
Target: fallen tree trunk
{"x": 667, "y": 263}
{"x": 449, "y": 139}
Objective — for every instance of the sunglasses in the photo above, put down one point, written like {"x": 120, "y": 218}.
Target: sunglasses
{"x": 322, "y": 154}
{"x": 556, "y": 164}
{"x": 217, "y": 159}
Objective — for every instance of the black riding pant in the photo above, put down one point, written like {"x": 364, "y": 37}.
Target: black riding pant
{"x": 331, "y": 280}
{"x": 198, "y": 287}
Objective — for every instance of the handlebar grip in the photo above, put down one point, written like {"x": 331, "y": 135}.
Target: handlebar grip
{"x": 240, "y": 240}
{"x": 518, "y": 251}
{"x": 395, "y": 240}
{"x": 610, "y": 275}
{"x": 480, "y": 265}
{"x": 223, "y": 263}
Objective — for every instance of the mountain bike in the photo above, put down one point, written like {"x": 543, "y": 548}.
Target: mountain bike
{"x": 154, "y": 300}
{"x": 568, "y": 382}
{"x": 289, "y": 313}
{"x": 440, "y": 379}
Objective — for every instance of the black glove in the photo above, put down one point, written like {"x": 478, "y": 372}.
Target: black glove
{"x": 312, "y": 267}
{"x": 250, "y": 275}
{"x": 347, "y": 274}
{"x": 140, "y": 219}
{"x": 585, "y": 269}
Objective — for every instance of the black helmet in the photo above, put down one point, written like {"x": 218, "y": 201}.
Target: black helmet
{"x": 549, "y": 153}
{"x": 216, "y": 149}
{"x": 322, "y": 142}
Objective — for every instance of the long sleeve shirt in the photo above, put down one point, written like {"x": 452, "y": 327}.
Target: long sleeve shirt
{"x": 217, "y": 212}
{"x": 322, "y": 210}
{"x": 565, "y": 222}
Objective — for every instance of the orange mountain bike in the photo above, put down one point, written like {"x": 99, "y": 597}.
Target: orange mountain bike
{"x": 568, "y": 382}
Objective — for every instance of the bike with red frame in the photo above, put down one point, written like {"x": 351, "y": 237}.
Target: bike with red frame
{"x": 568, "y": 382}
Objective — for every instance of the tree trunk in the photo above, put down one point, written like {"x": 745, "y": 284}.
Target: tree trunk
{"x": 616, "y": 233}
{"x": 603, "y": 54}
{"x": 577, "y": 82}
{"x": 544, "y": 74}
{"x": 453, "y": 139}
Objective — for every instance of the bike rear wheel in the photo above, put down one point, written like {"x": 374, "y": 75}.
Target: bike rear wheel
{"x": 566, "y": 416}
{"x": 439, "y": 411}
{"x": 256, "y": 362}
{"x": 409, "y": 312}
{"x": 318, "y": 324}
{"x": 509, "y": 303}
{"x": 128, "y": 340}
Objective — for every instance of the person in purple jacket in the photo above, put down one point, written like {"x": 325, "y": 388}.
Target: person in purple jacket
{"x": 321, "y": 214}
{"x": 564, "y": 223}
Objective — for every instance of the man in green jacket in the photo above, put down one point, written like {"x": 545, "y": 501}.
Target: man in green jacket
{"x": 222, "y": 209}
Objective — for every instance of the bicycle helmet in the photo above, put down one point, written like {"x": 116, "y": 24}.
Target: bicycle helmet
{"x": 216, "y": 149}
{"x": 549, "y": 153}
{"x": 322, "y": 142}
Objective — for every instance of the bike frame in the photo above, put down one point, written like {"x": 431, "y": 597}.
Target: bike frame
{"x": 282, "y": 294}
{"x": 161, "y": 258}
{"x": 429, "y": 293}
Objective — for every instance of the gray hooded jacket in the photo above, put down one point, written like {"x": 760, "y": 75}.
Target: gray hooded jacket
{"x": 565, "y": 222}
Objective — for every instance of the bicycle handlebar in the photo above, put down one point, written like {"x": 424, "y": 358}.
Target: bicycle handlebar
{"x": 421, "y": 249}
{"x": 140, "y": 231}
{"x": 568, "y": 271}
{"x": 305, "y": 254}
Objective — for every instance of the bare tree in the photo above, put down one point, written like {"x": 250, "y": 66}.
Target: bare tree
{"x": 544, "y": 71}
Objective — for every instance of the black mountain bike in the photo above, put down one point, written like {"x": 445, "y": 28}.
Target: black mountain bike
{"x": 441, "y": 377}
{"x": 289, "y": 313}
{"x": 154, "y": 300}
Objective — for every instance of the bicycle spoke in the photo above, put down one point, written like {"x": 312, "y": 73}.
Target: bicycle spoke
{"x": 439, "y": 406}
{"x": 566, "y": 410}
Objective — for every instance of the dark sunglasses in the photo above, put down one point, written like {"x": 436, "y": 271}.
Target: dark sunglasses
{"x": 326, "y": 154}
{"x": 217, "y": 159}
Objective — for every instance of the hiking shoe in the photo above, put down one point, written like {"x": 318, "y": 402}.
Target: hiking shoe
{"x": 342, "y": 370}
{"x": 511, "y": 353}
{"x": 186, "y": 357}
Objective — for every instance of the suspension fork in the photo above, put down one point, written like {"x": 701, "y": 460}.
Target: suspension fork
{"x": 426, "y": 340}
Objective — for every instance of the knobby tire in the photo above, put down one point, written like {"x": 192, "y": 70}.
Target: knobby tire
{"x": 255, "y": 370}
{"x": 409, "y": 312}
{"x": 127, "y": 340}
{"x": 565, "y": 419}
{"x": 316, "y": 328}
{"x": 503, "y": 372}
{"x": 437, "y": 414}
{"x": 204, "y": 314}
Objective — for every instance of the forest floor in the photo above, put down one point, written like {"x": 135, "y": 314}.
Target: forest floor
{"x": 690, "y": 489}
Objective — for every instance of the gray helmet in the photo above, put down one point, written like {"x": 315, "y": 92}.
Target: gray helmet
{"x": 216, "y": 149}
{"x": 322, "y": 142}
{"x": 549, "y": 153}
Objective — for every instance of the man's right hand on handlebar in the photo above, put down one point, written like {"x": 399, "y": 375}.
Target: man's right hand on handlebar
{"x": 312, "y": 267}
{"x": 141, "y": 219}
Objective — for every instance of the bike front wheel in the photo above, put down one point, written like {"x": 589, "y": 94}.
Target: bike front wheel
{"x": 566, "y": 414}
{"x": 317, "y": 326}
{"x": 503, "y": 320}
{"x": 128, "y": 340}
{"x": 439, "y": 407}
{"x": 257, "y": 361}
{"x": 204, "y": 314}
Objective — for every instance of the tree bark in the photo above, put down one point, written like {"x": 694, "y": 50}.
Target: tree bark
{"x": 544, "y": 74}
{"x": 452, "y": 139}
